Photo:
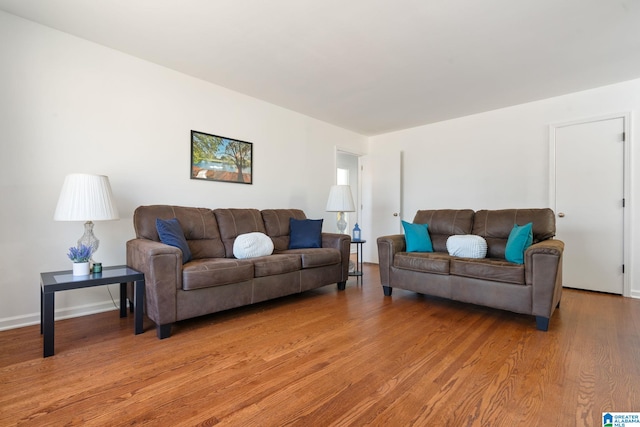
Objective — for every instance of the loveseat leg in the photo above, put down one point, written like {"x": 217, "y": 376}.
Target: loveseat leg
{"x": 542, "y": 323}
{"x": 342, "y": 285}
{"x": 163, "y": 331}
{"x": 387, "y": 290}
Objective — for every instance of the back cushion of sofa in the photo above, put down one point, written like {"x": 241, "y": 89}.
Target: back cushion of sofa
{"x": 233, "y": 222}
{"x": 444, "y": 223}
{"x": 198, "y": 224}
{"x": 276, "y": 222}
{"x": 495, "y": 226}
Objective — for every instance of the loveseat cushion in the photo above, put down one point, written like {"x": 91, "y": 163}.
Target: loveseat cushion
{"x": 276, "y": 264}
{"x": 496, "y": 270}
{"x": 426, "y": 262}
{"x": 233, "y": 222}
{"x": 198, "y": 224}
{"x": 444, "y": 223}
{"x": 205, "y": 273}
{"x": 276, "y": 222}
{"x": 316, "y": 257}
{"x": 496, "y": 225}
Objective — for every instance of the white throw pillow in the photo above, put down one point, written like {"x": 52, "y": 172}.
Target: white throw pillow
{"x": 252, "y": 245}
{"x": 467, "y": 246}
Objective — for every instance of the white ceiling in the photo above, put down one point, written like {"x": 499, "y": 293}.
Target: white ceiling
{"x": 371, "y": 66}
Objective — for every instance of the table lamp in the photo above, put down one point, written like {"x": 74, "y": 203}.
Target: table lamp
{"x": 86, "y": 197}
{"x": 340, "y": 201}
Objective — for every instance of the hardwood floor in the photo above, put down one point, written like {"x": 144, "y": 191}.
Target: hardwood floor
{"x": 333, "y": 358}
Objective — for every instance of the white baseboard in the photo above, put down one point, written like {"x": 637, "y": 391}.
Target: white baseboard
{"x": 60, "y": 314}
{"x": 635, "y": 294}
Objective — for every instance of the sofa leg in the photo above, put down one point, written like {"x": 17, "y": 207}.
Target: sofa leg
{"x": 558, "y": 306}
{"x": 163, "y": 331}
{"x": 342, "y": 285}
{"x": 542, "y": 323}
{"x": 387, "y": 290}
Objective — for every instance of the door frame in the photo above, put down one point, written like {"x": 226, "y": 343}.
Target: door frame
{"x": 626, "y": 233}
{"x": 338, "y": 149}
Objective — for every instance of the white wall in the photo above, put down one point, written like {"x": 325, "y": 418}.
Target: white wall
{"x": 498, "y": 159}
{"x": 68, "y": 105}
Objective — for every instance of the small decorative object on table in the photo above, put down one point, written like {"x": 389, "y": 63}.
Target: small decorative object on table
{"x": 356, "y": 232}
{"x": 80, "y": 256}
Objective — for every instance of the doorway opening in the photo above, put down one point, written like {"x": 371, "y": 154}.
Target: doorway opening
{"x": 348, "y": 173}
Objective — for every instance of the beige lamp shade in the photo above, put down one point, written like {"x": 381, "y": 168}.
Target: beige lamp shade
{"x": 340, "y": 199}
{"x": 86, "y": 197}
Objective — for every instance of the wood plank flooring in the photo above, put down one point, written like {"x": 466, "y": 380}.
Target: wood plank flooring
{"x": 333, "y": 358}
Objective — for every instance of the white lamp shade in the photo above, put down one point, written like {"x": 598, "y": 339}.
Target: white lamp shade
{"x": 86, "y": 197}
{"x": 340, "y": 199}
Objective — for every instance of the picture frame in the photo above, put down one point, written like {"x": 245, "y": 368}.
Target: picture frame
{"x": 218, "y": 158}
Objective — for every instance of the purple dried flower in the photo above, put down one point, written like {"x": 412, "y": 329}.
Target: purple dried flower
{"x": 80, "y": 253}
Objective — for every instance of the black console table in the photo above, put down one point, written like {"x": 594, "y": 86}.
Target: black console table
{"x": 55, "y": 281}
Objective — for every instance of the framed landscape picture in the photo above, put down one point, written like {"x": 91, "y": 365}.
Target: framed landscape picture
{"x": 217, "y": 158}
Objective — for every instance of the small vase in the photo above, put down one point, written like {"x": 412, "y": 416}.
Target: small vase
{"x": 80, "y": 268}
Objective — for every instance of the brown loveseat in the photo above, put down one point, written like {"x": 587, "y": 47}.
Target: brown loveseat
{"x": 534, "y": 287}
{"x": 214, "y": 280}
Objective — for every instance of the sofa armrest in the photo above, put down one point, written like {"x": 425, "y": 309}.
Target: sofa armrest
{"x": 341, "y": 242}
{"x": 388, "y": 247}
{"x": 162, "y": 268}
{"x": 543, "y": 271}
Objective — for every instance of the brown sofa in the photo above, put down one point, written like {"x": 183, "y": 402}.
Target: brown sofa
{"x": 534, "y": 287}
{"x": 214, "y": 280}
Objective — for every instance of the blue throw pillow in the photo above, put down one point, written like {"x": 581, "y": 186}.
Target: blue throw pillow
{"x": 520, "y": 238}
{"x": 417, "y": 237}
{"x": 305, "y": 233}
{"x": 171, "y": 234}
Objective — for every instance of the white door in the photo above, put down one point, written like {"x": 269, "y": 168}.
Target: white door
{"x": 589, "y": 193}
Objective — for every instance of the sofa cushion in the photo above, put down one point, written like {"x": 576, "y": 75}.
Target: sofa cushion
{"x": 252, "y": 245}
{"x": 444, "y": 223}
{"x": 305, "y": 233}
{"x": 496, "y": 270}
{"x": 467, "y": 246}
{"x": 276, "y": 264}
{"x": 496, "y": 225}
{"x": 234, "y": 222}
{"x": 205, "y": 273}
{"x": 426, "y": 262}
{"x": 171, "y": 234}
{"x": 519, "y": 240}
{"x": 417, "y": 237}
{"x": 316, "y": 257}
{"x": 276, "y": 222}
{"x": 198, "y": 224}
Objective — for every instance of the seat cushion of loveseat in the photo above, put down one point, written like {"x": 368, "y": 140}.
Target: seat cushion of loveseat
{"x": 426, "y": 262}
{"x": 497, "y": 270}
{"x": 276, "y": 264}
{"x": 208, "y": 272}
{"x": 316, "y": 257}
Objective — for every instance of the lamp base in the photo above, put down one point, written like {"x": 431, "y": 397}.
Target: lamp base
{"x": 89, "y": 239}
{"x": 342, "y": 223}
